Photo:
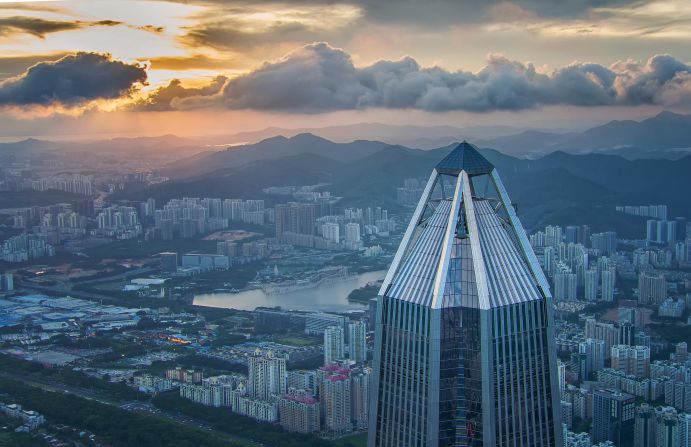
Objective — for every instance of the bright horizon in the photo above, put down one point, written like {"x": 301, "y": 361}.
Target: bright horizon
{"x": 143, "y": 67}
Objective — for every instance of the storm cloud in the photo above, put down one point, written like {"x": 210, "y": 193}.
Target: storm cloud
{"x": 318, "y": 78}
{"x": 72, "y": 80}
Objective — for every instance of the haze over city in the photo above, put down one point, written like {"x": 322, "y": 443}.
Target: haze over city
{"x": 345, "y": 223}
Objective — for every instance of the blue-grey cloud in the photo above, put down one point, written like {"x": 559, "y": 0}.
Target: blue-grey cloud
{"x": 318, "y": 78}
{"x": 166, "y": 98}
{"x": 72, "y": 80}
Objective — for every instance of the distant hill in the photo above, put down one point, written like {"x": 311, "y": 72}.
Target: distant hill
{"x": 272, "y": 148}
{"x": 666, "y": 135}
{"x": 423, "y": 137}
{"x": 557, "y": 188}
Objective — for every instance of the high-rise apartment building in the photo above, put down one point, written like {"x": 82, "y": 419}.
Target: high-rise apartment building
{"x": 360, "y": 394}
{"x": 266, "y": 378}
{"x": 299, "y": 412}
{"x": 594, "y": 351}
{"x": 464, "y": 294}
{"x": 652, "y": 288}
{"x": 591, "y": 285}
{"x": 334, "y": 344}
{"x": 600, "y": 330}
{"x": 357, "y": 341}
{"x": 644, "y": 430}
{"x": 607, "y": 287}
{"x": 336, "y": 399}
{"x": 685, "y": 430}
{"x": 633, "y": 360}
{"x": 297, "y": 218}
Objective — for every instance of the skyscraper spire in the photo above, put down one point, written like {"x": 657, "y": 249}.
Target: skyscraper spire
{"x": 465, "y": 350}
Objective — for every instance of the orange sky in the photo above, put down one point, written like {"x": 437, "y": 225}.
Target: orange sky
{"x": 196, "y": 41}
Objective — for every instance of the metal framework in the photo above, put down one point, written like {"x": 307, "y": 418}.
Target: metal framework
{"x": 464, "y": 342}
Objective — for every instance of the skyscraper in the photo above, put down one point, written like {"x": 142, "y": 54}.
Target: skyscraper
{"x": 463, "y": 297}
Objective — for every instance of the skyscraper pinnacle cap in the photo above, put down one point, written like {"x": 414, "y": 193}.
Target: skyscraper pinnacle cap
{"x": 465, "y": 157}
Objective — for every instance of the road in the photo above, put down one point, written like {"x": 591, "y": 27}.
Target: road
{"x": 67, "y": 289}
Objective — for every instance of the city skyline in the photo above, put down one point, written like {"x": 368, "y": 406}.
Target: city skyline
{"x": 345, "y": 223}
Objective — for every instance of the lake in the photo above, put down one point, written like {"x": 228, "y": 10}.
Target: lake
{"x": 327, "y": 297}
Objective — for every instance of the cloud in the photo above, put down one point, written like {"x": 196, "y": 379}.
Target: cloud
{"x": 38, "y": 27}
{"x": 318, "y": 78}
{"x": 71, "y": 81}
{"x": 245, "y": 26}
{"x": 34, "y": 26}
{"x": 436, "y": 12}
{"x": 168, "y": 97}
{"x": 14, "y": 65}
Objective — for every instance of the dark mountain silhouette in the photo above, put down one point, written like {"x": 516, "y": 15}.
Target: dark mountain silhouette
{"x": 557, "y": 188}
{"x": 271, "y": 148}
{"x": 664, "y": 135}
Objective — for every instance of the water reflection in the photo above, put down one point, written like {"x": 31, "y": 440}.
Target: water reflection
{"x": 329, "y": 297}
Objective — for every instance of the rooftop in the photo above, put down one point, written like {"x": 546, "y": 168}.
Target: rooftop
{"x": 465, "y": 157}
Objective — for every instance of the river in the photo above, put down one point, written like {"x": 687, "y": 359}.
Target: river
{"x": 327, "y": 297}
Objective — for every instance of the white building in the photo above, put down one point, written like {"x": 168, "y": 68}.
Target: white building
{"x": 334, "y": 344}
{"x": 267, "y": 376}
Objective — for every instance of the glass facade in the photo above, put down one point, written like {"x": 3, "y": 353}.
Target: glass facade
{"x": 464, "y": 351}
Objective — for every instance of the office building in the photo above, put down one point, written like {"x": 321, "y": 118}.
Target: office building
{"x": 464, "y": 291}
{"x": 613, "y": 417}
{"x": 169, "y": 262}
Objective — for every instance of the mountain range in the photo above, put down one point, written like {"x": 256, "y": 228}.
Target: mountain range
{"x": 665, "y": 135}
{"x": 558, "y": 188}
